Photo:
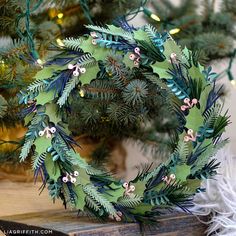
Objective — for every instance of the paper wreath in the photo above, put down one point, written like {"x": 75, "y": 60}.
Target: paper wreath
{"x": 160, "y": 62}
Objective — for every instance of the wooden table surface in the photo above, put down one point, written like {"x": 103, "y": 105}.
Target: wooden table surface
{"x": 22, "y": 208}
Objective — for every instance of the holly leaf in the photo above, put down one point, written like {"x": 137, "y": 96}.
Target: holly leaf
{"x": 45, "y": 97}
{"x": 114, "y": 193}
{"x": 170, "y": 47}
{"x": 47, "y": 72}
{"x": 141, "y": 35}
{"x": 52, "y": 168}
{"x": 182, "y": 171}
{"x": 51, "y": 111}
{"x": 96, "y": 51}
{"x": 194, "y": 119}
{"x": 139, "y": 187}
{"x": 83, "y": 177}
{"x": 28, "y": 118}
{"x": 142, "y": 208}
{"x": 90, "y": 74}
{"x": 80, "y": 201}
{"x": 41, "y": 144}
{"x": 192, "y": 185}
{"x": 204, "y": 97}
{"x": 129, "y": 63}
{"x": 161, "y": 69}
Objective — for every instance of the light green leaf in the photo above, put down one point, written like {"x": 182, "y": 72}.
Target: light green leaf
{"x": 45, "y": 97}
{"x": 52, "y": 168}
{"x": 204, "y": 97}
{"x": 47, "y": 72}
{"x": 129, "y": 63}
{"x": 51, "y": 111}
{"x": 114, "y": 193}
{"x": 192, "y": 185}
{"x": 80, "y": 202}
{"x": 90, "y": 74}
{"x": 28, "y": 118}
{"x": 170, "y": 46}
{"x": 182, "y": 171}
{"x": 161, "y": 69}
{"x": 115, "y": 29}
{"x": 96, "y": 51}
{"x": 194, "y": 119}
{"x": 41, "y": 144}
{"x": 141, "y": 35}
{"x": 139, "y": 187}
{"x": 83, "y": 177}
{"x": 142, "y": 208}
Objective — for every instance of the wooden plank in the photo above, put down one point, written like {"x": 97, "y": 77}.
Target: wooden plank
{"x": 69, "y": 223}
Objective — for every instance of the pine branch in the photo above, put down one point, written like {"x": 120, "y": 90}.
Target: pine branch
{"x": 129, "y": 202}
{"x": 71, "y": 84}
{"x": 73, "y": 43}
{"x": 26, "y": 150}
{"x": 38, "y": 160}
{"x": 95, "y": 195}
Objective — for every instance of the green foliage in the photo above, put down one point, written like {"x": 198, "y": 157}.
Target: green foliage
{"x": 95, "y": 195}
{"x": 130, "y": 202}
{"x": 114, "y": 102}
{"x": 3, "y": 106}
{"x": 209, "y": 31}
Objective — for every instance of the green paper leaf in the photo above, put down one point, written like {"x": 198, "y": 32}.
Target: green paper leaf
{"x": 196, "y": 73}
{"x": 161, "y": 69}
{"x": 139, "y": 187}
{"x": 96, "y": 51}
{"x": 204, "y": 97}
{"x": 84, "y": 178}
{"x": 90, "y": 74}
{"x": 41, "y": 144}
{"x": 194, "y": 119}
{"x": 51, "y": 111}
{"x": 141, "y": 35}
{"x": 47, "y": 72}
{"x": 45, "y": 97}
{"x": 80, "y": 202}
{"x": 170, "y": 46}
{"x": 116, "y": 192}
{"x": 142, "y": 208}
{"x": 28, "y": 118}
{"x": 52, "y": 168}
{"x": 182, "y": 171}
{"x": 129, "y": 63}
{"x": 192, "y": 185}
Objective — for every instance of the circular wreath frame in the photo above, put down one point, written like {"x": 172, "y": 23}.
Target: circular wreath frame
{"x": 87, "y": 188}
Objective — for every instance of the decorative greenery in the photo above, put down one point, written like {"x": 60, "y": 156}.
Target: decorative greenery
{"x": 132, "y": 75}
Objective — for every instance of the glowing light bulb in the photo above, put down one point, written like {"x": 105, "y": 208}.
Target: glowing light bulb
{"x": 81, "y": 93}
{"x": 174, "y": 31}
{"x": 60, "y": 42}
{"x": 155, "y": 17}
{"x": 150, "y": 14}
{"x": 60, "y": 15}
{"x": 233, "y": 82}
{"x": 39, "y": 61}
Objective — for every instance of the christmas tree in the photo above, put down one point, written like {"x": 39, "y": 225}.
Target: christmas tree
{"x": 29, "y": 30}
{"x": 206, "y": 27}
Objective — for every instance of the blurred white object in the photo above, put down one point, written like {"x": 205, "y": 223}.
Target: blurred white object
{"x": 219, "y": 200}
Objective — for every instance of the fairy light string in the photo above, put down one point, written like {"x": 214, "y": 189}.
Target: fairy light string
{"x": 27, "y": 34}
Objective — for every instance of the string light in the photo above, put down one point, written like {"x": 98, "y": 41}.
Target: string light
{"x": 151, "y": 15}
{"x": 233, "y": 82}
{"x": 60, "y": 42}
{"x": 60, "y": 15}
{"x": 81, "y": 93}
{"x": 174, "y": 31}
